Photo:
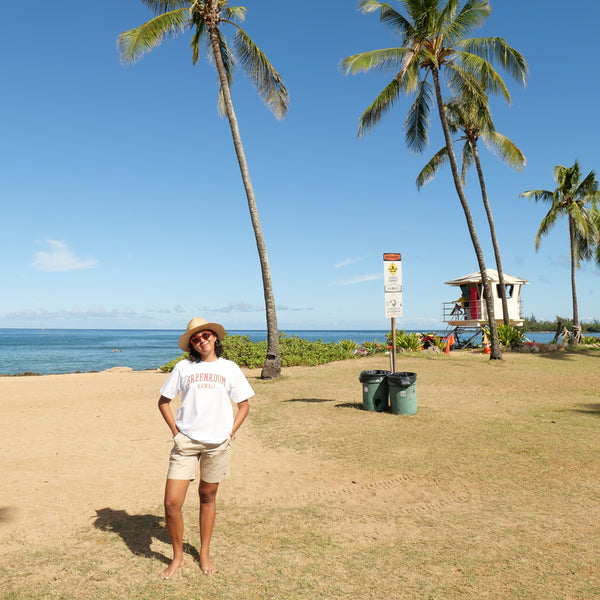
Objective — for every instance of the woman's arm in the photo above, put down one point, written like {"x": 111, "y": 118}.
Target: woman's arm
{"x": 242, "y": 412}
{"x": 164, "y": 405}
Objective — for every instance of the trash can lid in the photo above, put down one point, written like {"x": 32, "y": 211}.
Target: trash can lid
{"x": 402, "y": 378}
{"x": 372, "y": 375}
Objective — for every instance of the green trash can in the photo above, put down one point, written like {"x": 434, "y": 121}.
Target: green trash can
{"x": 375, "y": 390}
{"x": 403, "y": 393}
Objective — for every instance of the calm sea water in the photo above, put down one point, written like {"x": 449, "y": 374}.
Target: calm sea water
{"x": 82, "y": 350}
{"x": 47, "y": 351}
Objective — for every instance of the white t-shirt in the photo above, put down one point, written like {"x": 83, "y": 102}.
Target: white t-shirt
{"x": 206, "y": 414}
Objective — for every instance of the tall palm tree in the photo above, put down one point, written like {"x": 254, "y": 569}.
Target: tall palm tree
{"x": 205, "y": 20}
{"x": 434, "y": 43}
{"x": 579, "y": 201}
{"x": 473, "y": 119}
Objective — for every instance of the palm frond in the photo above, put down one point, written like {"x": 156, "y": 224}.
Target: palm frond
{"x": 588, "y": 187}
{"x": 384, "y": 59}
{"x": 472, "y": 15}
{"x": 397, "y": 22}
{"x": 464, "y": 84}
{"x": 382, "y": 104}
{"x": 537, "y": 195}
{"x": 416, "y": 125}
{"x": 234, "y": 13}
{"x": 258, "y": 68}
{"x": 504, "y": 148}
{"x": 200, "y": 35}
{"x": 136, "y": 42}
{"x": 430, "y": 170}
{"x": 496, "y": 50}
{"x": 546, "y": 225}
{"x": 484, "y": 72}
{"x": 369, "y": 6}
{"x": 163, "y": 6}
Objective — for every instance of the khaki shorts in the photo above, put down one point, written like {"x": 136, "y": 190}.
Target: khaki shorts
{"x": 186, "y": 453}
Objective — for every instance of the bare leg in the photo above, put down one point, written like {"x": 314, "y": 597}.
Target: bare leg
{"x": 175, "y": 491}
{"x": 208, "y": 512}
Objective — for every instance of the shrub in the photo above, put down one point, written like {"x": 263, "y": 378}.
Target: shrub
{"x": 508, "y": 335}
{"x": 374, "y": 347}
{"x": 295, "y": 351}
{"x": 410, "y": 342}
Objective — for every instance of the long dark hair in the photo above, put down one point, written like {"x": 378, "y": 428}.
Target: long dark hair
{"x": 195, "y": 355}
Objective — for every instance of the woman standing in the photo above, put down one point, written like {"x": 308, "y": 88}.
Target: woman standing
{"x": 202, "y": 431}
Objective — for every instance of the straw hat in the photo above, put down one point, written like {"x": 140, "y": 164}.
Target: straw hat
{"x": 199, "y": 324}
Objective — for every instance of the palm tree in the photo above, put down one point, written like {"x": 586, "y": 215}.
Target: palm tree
{"x": 205, "y": 20}
{"x": 474, "y": 120}
{"x": 579, "y": 201}
{"x": 434, "y": 43}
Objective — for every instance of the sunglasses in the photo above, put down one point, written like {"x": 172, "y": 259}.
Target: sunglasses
{"x": 201, "y": 337}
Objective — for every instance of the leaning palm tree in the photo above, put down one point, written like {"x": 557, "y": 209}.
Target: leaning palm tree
{"x": 472, "y": 118}
{"x": 434, "y": 42}
{"x": 205, "y": 20}
{"x": 579, "y": 201}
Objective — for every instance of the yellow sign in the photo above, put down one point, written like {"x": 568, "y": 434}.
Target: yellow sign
{"x": 393, "y": 269}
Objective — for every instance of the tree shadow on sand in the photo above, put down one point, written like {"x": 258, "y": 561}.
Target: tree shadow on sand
{"x": 138, "y": 531}
{"x": 587, "y": 409}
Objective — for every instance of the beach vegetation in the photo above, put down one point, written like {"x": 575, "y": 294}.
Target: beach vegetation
{"x": 408, "y": 342}
{"x": 578, "y": 199}
{"x": 531, "y": 323}
{"x": 349, "y": 345}
{"x": 374, "y": 347}
{"x": 295, "y": 351}
{"x": 434, "y": 46}
{"x": 206, "y": 21}
{"x": 508, "y": 335}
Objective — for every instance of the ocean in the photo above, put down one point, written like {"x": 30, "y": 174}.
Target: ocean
{"x": 56, "y": 351}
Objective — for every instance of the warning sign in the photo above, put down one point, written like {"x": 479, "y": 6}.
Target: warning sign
{"x": 392, "y": 282}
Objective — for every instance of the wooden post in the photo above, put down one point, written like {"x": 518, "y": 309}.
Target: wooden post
{"x": 393, "y": 352}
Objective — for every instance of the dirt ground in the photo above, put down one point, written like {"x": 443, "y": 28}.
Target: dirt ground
{"x": 499, "y": 467}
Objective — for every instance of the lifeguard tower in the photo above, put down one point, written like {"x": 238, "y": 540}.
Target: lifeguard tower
{"x": 466, "y": 315}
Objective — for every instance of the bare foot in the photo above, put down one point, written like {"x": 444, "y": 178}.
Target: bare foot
{"x": 171, "y": 569}
{"x": 207, "y": 566}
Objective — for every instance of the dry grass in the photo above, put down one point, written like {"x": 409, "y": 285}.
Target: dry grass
{"x": 490, "y": 492}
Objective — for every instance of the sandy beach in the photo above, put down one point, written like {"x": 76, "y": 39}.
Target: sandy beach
{"x": 493, "y": 483}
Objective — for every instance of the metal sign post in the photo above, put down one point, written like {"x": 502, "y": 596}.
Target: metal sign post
{"x": 392, "y": 283}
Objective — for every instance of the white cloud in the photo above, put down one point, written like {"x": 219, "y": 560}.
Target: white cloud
{"x": 359, "y": 279}
{"x": 60, "y": 258}
{"x": 346, "y": 262}
{"x": 74, "y": 313}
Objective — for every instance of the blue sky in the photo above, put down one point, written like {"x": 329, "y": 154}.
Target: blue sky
{"x": 122, "y": 203}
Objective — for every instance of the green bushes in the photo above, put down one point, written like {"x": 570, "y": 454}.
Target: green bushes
{"x": 508, "y": 335}
{"x": 295, "y": 351}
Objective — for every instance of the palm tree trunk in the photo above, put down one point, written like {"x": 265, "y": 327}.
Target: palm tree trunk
{"x": 488, "y": 211}
{"x": 496, "y": 353}
{"x": 272, "y": 365}
{"x": 576, "y": 327}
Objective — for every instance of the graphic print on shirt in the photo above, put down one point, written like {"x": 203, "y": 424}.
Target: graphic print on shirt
{"x": 205, "y": 381}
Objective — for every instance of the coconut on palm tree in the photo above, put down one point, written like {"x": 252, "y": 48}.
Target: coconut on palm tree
{"x": 472, "y": 118}
{"x": 434, "y": 43}
{"x": 579, "y": 200}
{"x": 206, "y": 20}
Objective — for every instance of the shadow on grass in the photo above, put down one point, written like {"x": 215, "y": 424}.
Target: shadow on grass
{"x": 357, "y": 405}
{"x": 587, "y": 409}
{"x": 138, "y": 531}
{"x": 564, "y": 355}
{"x": 310, "y": 400}
{"x": 8, "y": 513}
